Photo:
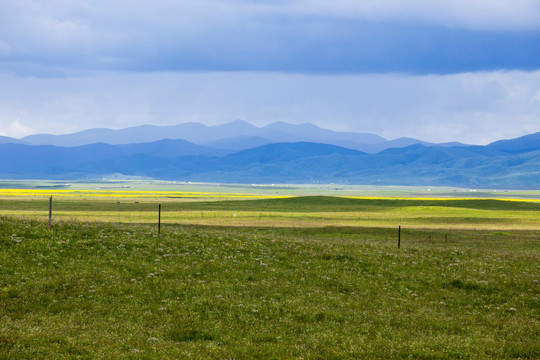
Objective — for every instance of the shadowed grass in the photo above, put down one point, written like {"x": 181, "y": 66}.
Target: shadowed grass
{"x": 292, "y": 204}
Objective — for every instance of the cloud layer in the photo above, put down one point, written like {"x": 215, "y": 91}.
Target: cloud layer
{"x": 62, "y": 37}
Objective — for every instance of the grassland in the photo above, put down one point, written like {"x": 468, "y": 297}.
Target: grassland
{"x": 310, "y": 277}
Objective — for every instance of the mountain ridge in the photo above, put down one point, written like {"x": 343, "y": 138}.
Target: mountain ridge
{"x": 513, "y": 163}
{"x": 223, "y": 136}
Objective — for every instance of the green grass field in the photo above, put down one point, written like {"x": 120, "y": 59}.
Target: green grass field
{"x": 308, "y": 277}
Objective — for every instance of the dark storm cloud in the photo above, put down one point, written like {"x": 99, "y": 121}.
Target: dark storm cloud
{"x": 67, "y": 37}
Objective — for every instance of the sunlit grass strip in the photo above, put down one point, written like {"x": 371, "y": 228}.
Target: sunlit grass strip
{"x": 437, "y": 198}
{"x": 132, "y": 194}
{"x": 410, "y": 217}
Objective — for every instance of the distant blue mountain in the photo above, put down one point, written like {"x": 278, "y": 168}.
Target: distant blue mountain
{"x": 192, "y": 132}
{"x": 238, "y": 143}
{"x": 283, "y": 152}
{"x": 9, "y": 140}
{"x": 509, "y": 163}
{"x": 521, "y": 144}
{"x": 233, "y": 136}
{"x": 21, "y": 160}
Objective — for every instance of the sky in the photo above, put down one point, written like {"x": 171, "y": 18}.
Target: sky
{"x": 436, "y": 70}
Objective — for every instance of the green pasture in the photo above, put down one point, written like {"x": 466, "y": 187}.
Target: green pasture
{"x": 299, "y": 278}
{"x": 96, "y": 290}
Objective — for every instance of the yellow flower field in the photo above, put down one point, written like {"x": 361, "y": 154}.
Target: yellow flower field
{"x": 131, "y": 194}
{"x": 200, "y": 195}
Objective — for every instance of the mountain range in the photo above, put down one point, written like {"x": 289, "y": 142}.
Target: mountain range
{"x": 278, "y": 153}
{"x": 229, "y": 137}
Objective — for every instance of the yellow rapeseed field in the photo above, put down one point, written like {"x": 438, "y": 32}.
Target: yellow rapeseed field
{"x": 197, "y": 194}
{"x": 130, "y": 194}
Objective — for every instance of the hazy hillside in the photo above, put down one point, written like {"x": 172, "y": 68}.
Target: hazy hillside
{"x": 233, "y": 136}
{"x": 7, "y": 140}
{"x": 522, "y": 144}
{"x": 510, "y": 163}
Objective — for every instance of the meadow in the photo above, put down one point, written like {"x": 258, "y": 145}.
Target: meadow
{"x": 317, "y": 277}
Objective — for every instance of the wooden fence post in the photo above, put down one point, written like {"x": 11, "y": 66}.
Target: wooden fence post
{"x": 50, "y": 212}
{"x": 159, "y": 220}
{"x": 399, "y": 237}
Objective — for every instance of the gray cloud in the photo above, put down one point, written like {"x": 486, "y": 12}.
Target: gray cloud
{"x": 470, "y": 14}
{"x": 63, "y": 38}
